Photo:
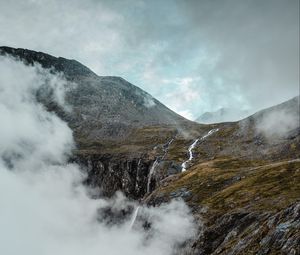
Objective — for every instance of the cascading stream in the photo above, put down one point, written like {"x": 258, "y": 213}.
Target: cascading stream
{"x": 134, "y": 216}
{"x": 152, "y": 170}
{"x": 137, "y": 171}
{"x": 184, "y": 165}
{"x": 156, "y": 164}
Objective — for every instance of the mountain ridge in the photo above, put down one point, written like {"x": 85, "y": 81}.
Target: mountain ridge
{"x": 68, "y": 66}
{"x": 122, "y": 105}
{"x": 222, "y": 115}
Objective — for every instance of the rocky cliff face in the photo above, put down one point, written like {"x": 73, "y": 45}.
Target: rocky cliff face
{"x": 251, "y": 233}
{"x": 110, "y": 174}
{"x": 242, "y": 182}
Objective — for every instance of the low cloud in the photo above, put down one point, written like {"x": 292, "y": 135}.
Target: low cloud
{"x": 278, "y": 123}
{"x": 45, "y": 209}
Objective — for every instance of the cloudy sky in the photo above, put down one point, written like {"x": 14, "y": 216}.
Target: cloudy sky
{"x": 194, "y": 56}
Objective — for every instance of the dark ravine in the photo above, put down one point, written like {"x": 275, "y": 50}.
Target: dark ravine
{"x": 113, "y": 174}
{"x": 242, "y": 187}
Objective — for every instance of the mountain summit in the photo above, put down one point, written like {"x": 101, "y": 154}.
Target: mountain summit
{"x": 106, "y": 106}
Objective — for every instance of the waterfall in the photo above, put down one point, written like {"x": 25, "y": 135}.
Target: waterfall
{"x": 184, "y": 165}
{"x": 134, "y": 216}
{"x": 210, "y": 132}
{"x": 152, "y": 170}
{"x": 192, "y": 146}
{"x": 157, "y": 162}
{"x": 137, "y": 174}
{"x": 166, "y": 148}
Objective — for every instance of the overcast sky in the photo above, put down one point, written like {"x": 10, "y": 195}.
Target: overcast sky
{"x": 194, "y": 56}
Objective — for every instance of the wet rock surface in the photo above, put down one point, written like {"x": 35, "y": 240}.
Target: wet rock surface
{"x": 117, "y": 174}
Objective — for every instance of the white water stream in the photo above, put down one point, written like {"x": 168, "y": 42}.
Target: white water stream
{"x": 184, "y": 165}
{"x": 152, "y": 169}
{"x": 156, "y": 163}
{"x": 134, "y": 216}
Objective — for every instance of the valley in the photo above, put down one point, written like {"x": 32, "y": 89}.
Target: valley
{"x": 241, "y": 180}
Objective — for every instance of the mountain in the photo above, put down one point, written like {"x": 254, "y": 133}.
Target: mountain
{"x": 115, "y": 123}
{"x": 241, "y": 180}
{"x": 105, "y": 106}
{"x": 222, "y": 115}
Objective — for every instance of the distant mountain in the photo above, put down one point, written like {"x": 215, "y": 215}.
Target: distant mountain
{"x": 222, "y": 115}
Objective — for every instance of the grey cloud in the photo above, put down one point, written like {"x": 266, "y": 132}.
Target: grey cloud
{"x": 246, "y": 52}
{"x": 255, "y": 43}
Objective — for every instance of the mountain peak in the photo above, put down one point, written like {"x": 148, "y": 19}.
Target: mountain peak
{"x": 107, "y": 106}
{"x": 69, "y": 67}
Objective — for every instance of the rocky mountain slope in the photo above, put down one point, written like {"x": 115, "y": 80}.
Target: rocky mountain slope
{"x": 243, "y": 185}
{"x": 106, "y": 106}
{"x": 241, "y": 180}
{"x": 116, "y": 124}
